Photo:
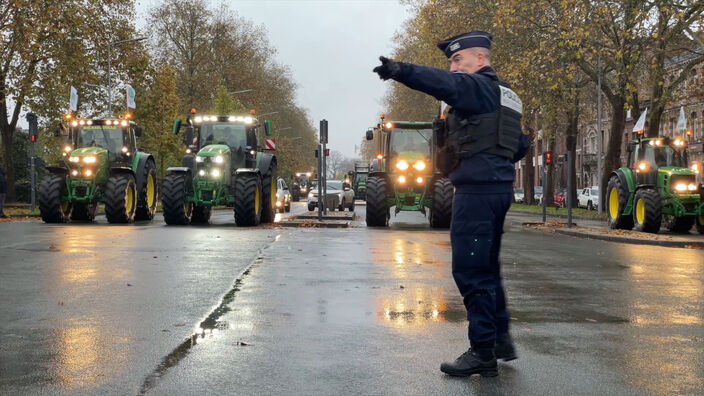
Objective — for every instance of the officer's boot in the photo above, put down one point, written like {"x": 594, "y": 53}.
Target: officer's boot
{"x": 480, "y": 361}
{"x": 504, "y": 348}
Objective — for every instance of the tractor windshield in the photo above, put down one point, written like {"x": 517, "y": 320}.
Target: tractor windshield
{"x": 110, "y": 138}
{"x": 411, "y": 141}
{"x": 361, "y": 176}
{"x": 233, "y": 135}
{"x": 666, "y": 156}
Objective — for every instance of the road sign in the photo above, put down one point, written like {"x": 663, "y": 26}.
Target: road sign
{"x": 271, "y": 144}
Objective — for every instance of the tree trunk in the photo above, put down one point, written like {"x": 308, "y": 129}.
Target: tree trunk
{"x": 7, "y": 145}
{"x": 612, "y": 161}
{"x": 657, "y": 103}
{"x": 529, "y": 170}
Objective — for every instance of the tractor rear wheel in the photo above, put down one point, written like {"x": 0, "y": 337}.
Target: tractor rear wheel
{"x": 680, "y": 225}
{"x": 248, "y": 200}
{"x": 148, "y": 193}
{"x": 377, "y": 209}
{"x": 616, "y": 201}
{"x": 441, "y": 210}
{"x": 700, "y": 224}
{"x": 52, "y": 204}
{"x": 84, "y": 212}
{"x": 647, "y": 211}
{"x": 269, "y": 194}
{"x": 201, "y": 214}
{"x": 120, "y": 198}
{"x": 177, "y": 210}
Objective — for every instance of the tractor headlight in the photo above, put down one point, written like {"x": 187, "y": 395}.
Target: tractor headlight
{"x": 219, "y": 159}
{"x": 74, "y": 173}
{"x": 201, "y": 172}
{"x": 402, "y": 165}
{"x": 420, "y": 165}
{"x": 198, "y": 120}
{"x": 402, "y": 179}
{"x": 642, "y": 166}
{"x": 67, "y": 149}
{"x": 124, "y": 149}
{"x": 311, "y": 195}
{"x": 695, "y": 168}
{"x": 692, "y": 187}
{"x": 680, "y": 187}
{"x": 89, "y": 159}
{"x": 88, "y": 173}
{"x": 419, "y": 180}
{"x": 74, "y": 159}
{"x": 215, "y": 172}
{"x": 199, "y": 159}
{"x": 278, "y": 204}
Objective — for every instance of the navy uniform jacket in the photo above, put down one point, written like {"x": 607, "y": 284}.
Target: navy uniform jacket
{"x": 468, "y": 94}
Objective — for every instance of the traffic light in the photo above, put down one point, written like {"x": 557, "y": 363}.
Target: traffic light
{"x": 323, "y": 131}
{"x": 33, "y": 127}
{"x": 547, "y": 157}
{"x": 327, "y": 152}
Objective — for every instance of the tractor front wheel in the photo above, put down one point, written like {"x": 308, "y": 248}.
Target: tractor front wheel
{"x": 120, "y": 198}
{"x": 441, "y": 209}
{"x": 148, "y": 194}
{"x": 647, "y": 211}
{"x": 377, "y": 208}
{"x": 269, "y": 194}
{"x": 177, "y": 209}
{"x": 248, "y": 200}
{"x": 616, "y": 202}
{"x": 53, "y": 200}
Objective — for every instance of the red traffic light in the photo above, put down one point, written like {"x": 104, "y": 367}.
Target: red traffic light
{"x": 327, "y": 152}
{"x": 548, "y": 157}
{"x": 33, "y": 138}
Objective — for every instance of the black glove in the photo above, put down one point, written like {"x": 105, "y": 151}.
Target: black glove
{"x": 388, "y": 69}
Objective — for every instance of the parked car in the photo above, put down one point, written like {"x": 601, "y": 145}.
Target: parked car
{"x": 343, "y": 196}
{"x": 518, "y": 195}
{"x": 588, "y": 198}
{"x": 283, "y": 196}
{"x": 538, "y": 194}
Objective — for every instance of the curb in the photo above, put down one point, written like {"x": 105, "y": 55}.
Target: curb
{"x": 631, "y": 240}
{"x": 558, "y": 215}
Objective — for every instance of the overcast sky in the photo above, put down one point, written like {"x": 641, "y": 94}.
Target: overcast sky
{"x": 331, "y": 47}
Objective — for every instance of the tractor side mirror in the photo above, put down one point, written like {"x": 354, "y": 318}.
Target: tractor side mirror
{"x": 59, "y": 130}
{"x": 370, "y": 134}
{"x": 630, "y": 147}
{"x": 138, "y": 131}
{"x": 188, "y": 139}
{"x": 268, "y": 127}
{"x": 177, "y": 125}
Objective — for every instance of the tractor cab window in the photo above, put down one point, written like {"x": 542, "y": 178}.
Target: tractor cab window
{"x": 110, "y": 138}
{"x": 410, "y": 141}
{"x": 233, "y": 135}
{"x": 665, "y": 156}
{"x": 361, "y": 176}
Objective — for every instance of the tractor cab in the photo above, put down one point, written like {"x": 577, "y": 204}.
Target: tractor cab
{"x": 659, "y": 156}
{"x": 221, "y": 139}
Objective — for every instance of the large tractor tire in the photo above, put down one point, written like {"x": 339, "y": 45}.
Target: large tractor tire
{"x": 700, "y": 224}
{"x": 52, "y": 206}
{"x": 120, "y": 198}
{"x": 296, "y": 196}
{"x": 377, "y": 209}
{"x": 177, "y": 210}
{"x": 148, "y": 195}
{"x": 680, "y": 225}
{"x": 248, "y": 200}
{"x": 201, "y": 214}
{"x": 269, "y": 194}
{"x": 647, "y": 211}
{"x": 441, "y": 210}
{"x": 84, "y": 211}
{"x": 616, "y": 201}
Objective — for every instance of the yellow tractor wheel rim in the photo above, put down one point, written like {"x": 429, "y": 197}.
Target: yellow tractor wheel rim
{"x": 613, "y": 203}
{"x": 257, "y": 201}
{"x": 129, "y": 199}
{"x": 640, "y": 211}
{"x": 273, "y": 192}
{"x": 151, "y": 191}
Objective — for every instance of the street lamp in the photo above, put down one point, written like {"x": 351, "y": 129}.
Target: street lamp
{"x": 110, "y": 45}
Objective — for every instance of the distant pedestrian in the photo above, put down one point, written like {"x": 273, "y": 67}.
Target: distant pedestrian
{"x": 3, "y": 191}
{"x": 483, "y": 141}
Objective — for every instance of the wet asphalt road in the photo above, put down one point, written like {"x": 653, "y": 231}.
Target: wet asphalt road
{"x": 334, "y": 311}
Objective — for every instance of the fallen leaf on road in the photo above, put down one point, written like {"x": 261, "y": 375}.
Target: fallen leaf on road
{"x": 242, "y": 343}
{"x": 402, "y": 287}
{"x": 129, "y": 284}
{"x": 179, "y": 324}
{"x": 52, "y": 246}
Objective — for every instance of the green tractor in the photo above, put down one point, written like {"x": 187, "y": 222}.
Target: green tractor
{"x": 403, "y": 176}
{"x": 660, "y": 189}
{"x": 100, "y": 164}
{"x": 302, "y": 183}
{"x": 359, "y": 180}
{"x": 222, "y": 166}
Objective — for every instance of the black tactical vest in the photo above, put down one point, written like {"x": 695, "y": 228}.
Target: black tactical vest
{"x": 495, "y": 133}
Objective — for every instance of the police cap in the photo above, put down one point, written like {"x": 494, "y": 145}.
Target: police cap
{"x": 473, "y": 39}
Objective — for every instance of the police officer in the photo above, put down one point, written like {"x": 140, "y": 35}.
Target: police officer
{"x": 483, "y": 140}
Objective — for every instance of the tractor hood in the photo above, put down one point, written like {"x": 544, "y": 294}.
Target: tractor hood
{"x": 85, "y": 151}
{"x": 213, "y": 150}
{"x": 676, "y": 170}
